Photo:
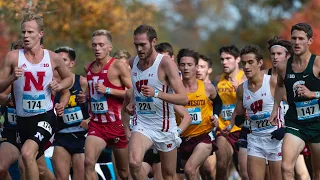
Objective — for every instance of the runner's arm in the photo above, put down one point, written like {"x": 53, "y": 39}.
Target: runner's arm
{"x": 186, "y": 118}
{"x": 172, "y": 74}
{"x": 124, "y": 75}
{"x": 7, "y": 74}
{"x": 239, "y": 109}
{"x": 65, "y": 74}
{"x": 215, "y": 98}
{"x": 280, "y": 89}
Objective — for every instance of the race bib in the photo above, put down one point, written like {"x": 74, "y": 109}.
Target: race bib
{"x": 99, "y": 106}
{"x": 145, "y": 105}
{"x": 260, "y": 122}
{"x": 12, "y": 116}
{"x": 72, "y": 115}
{"x": 226, "y": 112}
{"x": 34, "y": 103}
{"x": 195, "y": 114}
{"x": 45, "y": 125}
{"x": 307, "y": 109}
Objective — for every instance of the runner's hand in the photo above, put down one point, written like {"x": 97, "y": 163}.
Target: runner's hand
{"x": 84, "y": 124}
{"x": 18, "y": 72}
{"x": 303, "y": 91}
{"x": 273, "y": 119}
{"x": 130, "y": 109}
{"x": 100, "y": 88}
{"x": 81, "y": 97}
{"x": 147, "y": 91}
{"x": 55, "y": 86}
{"x": 214, "y": 121}
{"x": 59, "y": 109}
{"x": 225, "y": 131}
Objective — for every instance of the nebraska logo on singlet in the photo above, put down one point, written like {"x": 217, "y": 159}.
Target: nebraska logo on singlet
{"x": 34, "y": 101}
{"x": 38, "y": 84}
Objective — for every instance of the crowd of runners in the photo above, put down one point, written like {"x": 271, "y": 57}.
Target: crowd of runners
{"x": 162, "y": 115}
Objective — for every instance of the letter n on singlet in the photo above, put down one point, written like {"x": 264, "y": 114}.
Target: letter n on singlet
{"x": 38, "y": 84}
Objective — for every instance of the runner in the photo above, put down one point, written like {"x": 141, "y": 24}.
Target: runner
{"x": 107, "y": 80}
{"x": 9, "y": 148}
{"x": 281, "y": 50}
{"x": 155, "y": 78}
{"x": 35, "y": 118}
{"x": 70, "y": 138}
{"x": 299, "y": 77}
{"x": 256, "y": 97}
{"x": 197, "y": 140}
{"x": 227, "y": 83}
{"x": 208, "y": 170}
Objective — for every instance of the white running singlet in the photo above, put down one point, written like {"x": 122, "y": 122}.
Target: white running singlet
{"x": 31, "y": 91}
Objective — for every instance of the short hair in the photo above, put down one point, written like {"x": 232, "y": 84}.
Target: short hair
{"x": 103, "y": 32}
{"x": 69, "y": 50}
{"x": 252, "y": 49}
{"x": 164, "y": 47}
{"x": 121, "y": 53}
{"x": 206, "y": 59}
{"x": 303, "y": 27}
{"x": 277, "y": 40}
{"x": 151, "y": 32}
{"x": 30, "y": 16}
{"x": 17, "y": 44}
{"x": 188, "y": 53}
{"x": 232, "y": 50}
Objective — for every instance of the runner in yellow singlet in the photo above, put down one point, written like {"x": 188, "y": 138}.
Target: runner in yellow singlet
{"x": 227, "y": 83}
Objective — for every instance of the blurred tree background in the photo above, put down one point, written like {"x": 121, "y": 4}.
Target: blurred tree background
{"x": 203, "y": 25}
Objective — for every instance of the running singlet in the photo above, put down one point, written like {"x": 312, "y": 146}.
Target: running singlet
{"x": 103, "y": 108}
{"x": 301, "y": 110}
{"x": 227, "y": 94}
{"x": 152, "y": 113}
{"x": 200, "y": 109}
{"x": 259, "y": 105}
{"x": 31, "y": 91}
{"x": 74, "y": 113}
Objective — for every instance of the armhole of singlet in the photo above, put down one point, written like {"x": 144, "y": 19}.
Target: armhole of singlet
{"x": 310, "y": 64}
{"x": 288, "y": 68}
{"x": 269, "y": 71}
{"x": 135, "y": 62}
{"x": 89, "y": 67}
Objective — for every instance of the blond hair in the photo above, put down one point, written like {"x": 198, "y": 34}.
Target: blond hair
{"x": 30, "y": 16}
{"x": 121, "y": 53}
{"x": 103, "y": 32}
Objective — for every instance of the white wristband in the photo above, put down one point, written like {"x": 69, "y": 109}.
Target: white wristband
{"x": 179, "y": 130}
{"x": 216, "y": 116}
{"x": 156, "y": 93}
{"x": 317, "y": 94}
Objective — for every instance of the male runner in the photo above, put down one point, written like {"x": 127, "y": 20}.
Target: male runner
{"x": 208, "y": 169}
{"x": 299, "y": 77}
{"x": 227, "y": 83}
{"x": 70, "y": 138}
{"x": 30, "y": 70}
{"x": 151, "y": 161}
{"x": 281, "y": 50}
{"x": 197, "y": 140}
{"x": 256, "y": 97}
{"x": 107, "y": 80}
{"x": 157, "y": 86}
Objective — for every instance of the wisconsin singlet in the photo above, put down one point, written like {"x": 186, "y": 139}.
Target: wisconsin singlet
{"x": 152, "y": 113}
{"x": 200, "y": 109}
{"x": 259, "y": 105}
{"x": 227, "y": 94}
{"x": 31, "y": 90}
{"x": 103, "y": 108}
